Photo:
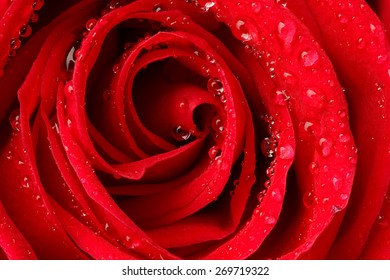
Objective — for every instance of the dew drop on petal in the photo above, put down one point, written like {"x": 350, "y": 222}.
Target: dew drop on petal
{"x": 208, "y": 5}
{"x": 256, "y": 7}
{"x": 158, "y": 8}
{"x": 215, "y": 86}
{"x": 269, "y": 220}
{"x": 308, "y": 199}
{"x": 326, "y": 146}
{"x": 275, "y": 194}
{"x": 313, "y": 167}
{"x": 15, "y": 43}
{"x": 214, "y": 153}
{"x": 90, "y": 24}
{"x": 286, "y": 32}
{"x": 286, "y": 152}
{"x": 14, "y": 120}
{"x": 181, "y": 134}
{"x": 25, "y": 31}
{"x": 309, "y": 58}
{"x": 344, "y": 138}
{"x": 37, "y": 5}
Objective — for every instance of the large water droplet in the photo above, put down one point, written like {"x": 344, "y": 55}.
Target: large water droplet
{"x": 245, "y": 30}
{"x": 37, "y": 5}
{"x": 15, "y": 43}
{"x": 269, "y": 220}
{"x": 33, "y": 17}
{"x": 275, "y": 194}
{"x": 215, "y": 153}
{"x": 208, "y": 5}
{"x": 14, "y": 120}
{"x": 256, "y": 7}
{"x": 286, "y": 152}
{"x": 326, "y": 146}
{"x": 286, "y": 32}
{"x": 337, "y": 182}
{"x": 181, "y": 134}
{"x": 90, "y": 24}
{"x": 215, "y": 86}
{"x": 309, "y": 58}
{"x": 25, "y": 31}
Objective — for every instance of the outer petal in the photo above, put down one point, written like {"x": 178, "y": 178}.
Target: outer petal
{"x": 361, "y": 57}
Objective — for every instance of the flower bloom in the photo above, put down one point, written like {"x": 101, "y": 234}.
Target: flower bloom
{"x": 194, "y": 129}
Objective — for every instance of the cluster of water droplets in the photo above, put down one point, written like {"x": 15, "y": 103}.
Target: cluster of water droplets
{"x": 25, "y": 30}
{"x": 270, "y": 143}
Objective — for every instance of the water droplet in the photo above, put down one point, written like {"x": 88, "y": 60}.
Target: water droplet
{"x": 268, "y": 147}
{"x": 313, "y": 167}
{"x": 25, "y": 183}
{"x": 25, "y": 31}
{"x": 215, "y": 153}
{"x": 270, "y": 171}
{"x": 382, "y": 221}
{"x": 39, "y": 199}
{"x": 33, "y": 17}
{"x": 286, "y": 152}
{"x": 309, "y": 58}
{"x": 37, "y": 5}
{"x": 90, "y": 24}
{"x": 217, "y": 124}
{"x": 361, "y": 44}
{"x": 208, "y": 5}
{"x": 308, "y": 127}
{"x": 326, "y": 146}
{"x": 310, "y": 93}
{"x": 372, "y": 27}
{"x": 14, "y": 120}
{"x": 106, "y": 226}
{"x": 344, "y": 138}
{"x": 205, "y": 70}
{"x": 256, "y": 7}
{"x": 269, "y": 220}
{"x": 286, "y": 32}
{"x": 215, "y": 86}
{"x": 342, "y": 18}
{"x": 308, "y": 199}
{"x": 116, "y": 68}
{"x": 15, "y": 43}
{"x": 245, "y": 30}
{"x": 114, "y": 4}
{"x": 381, "y": 58}
{"x": 223, "y": 98}
{"x": 275, "y": 194}
{"x": 337, "y": 182}
{"x": 344, "y": 196}
{"x": 159, "y": 8}
{"x": 69, "y": 88}
{"x": 281, "y": 2}
{"x": 181, "y": 134}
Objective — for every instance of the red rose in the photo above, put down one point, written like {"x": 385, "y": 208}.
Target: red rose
{"x": 194, "y": 129}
